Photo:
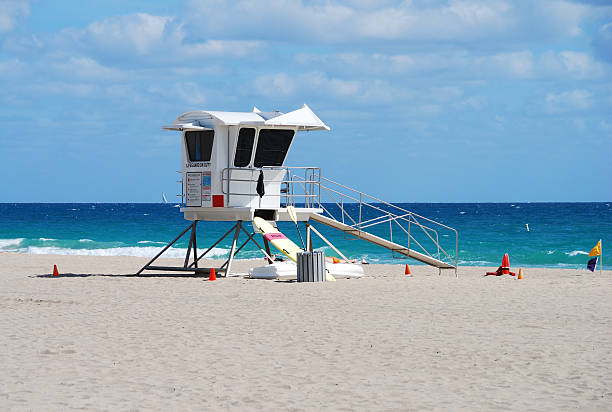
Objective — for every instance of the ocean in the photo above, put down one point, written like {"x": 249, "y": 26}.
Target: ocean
{"x": 560, "y": 234}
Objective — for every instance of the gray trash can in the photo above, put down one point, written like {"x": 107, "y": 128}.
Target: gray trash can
{"x": 311, "y": 266}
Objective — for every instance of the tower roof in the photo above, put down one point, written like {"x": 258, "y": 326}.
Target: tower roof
{"x": 303, "y": 119}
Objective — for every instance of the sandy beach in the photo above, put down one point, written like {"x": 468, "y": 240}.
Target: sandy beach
{"x": 95, "y": 339}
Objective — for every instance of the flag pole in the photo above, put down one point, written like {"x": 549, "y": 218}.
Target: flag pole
{"x": 600, "y": 257}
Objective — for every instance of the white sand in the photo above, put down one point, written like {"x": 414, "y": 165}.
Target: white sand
{"x": 95, "y": 340}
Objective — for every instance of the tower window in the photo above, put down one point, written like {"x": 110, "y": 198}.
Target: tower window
{"x": 272, "y": 147}
{"x": 199, "y": 145}
{"x": 244, "y": 147}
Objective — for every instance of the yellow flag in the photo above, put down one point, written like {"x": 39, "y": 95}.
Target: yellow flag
{"x": 596, "y": 251}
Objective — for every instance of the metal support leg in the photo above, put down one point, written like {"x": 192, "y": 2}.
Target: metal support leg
{"x": 233, "y": 250}
{"x": 165, "y": 248}
{"x": 189, "y": 247}
{"x": 195, "y": 244}
{"x": 215, "y": 244}
{"x": 267, "y": 246}
{"x": 252, "y": 239}
{"x": 308, "y": 237}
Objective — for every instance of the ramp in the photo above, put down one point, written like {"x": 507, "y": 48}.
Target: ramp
{"x": 361, "y": 216}
{"x": 395, "y": 247}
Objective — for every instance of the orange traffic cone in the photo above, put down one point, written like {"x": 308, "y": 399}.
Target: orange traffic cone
{"x": 520, "y": 274}
{"x": 505, "y": 265}
{"x": 55, "y": 271}
{"x": 407, "y": 270}
{"x": 212, "y": 275}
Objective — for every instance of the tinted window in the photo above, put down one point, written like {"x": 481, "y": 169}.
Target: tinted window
{"x": 199, "y": 145}
{"x": 244, "y": 147}
{"x": 272, "y": 147}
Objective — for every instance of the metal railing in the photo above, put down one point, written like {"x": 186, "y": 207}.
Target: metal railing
{"x": 305, "y": 187}
{"x": 379, "y": 212}
{"x": 182, "y": 194}
{"x": 300, "y": 185}
{"x": 364, "y": 211}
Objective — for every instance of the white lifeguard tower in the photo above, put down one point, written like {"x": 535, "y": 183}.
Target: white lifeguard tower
{"x": 233, "y": 170}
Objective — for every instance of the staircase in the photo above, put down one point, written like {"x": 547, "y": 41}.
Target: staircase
{"x": 361, "y": 216}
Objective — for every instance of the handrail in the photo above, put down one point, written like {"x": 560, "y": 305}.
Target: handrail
{"x": 396, "y": 215}
{"x": 304, "y": 183}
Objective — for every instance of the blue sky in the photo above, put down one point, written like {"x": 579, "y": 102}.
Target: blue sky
{"x": 428, "y": 101}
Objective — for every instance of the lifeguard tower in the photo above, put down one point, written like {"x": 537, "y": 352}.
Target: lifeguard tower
{"x": 233, "y": 170}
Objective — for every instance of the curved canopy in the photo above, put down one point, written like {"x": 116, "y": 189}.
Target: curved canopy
{"x": 303, "y": 119}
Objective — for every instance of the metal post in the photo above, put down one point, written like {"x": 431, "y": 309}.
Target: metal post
{"x": 267, "y": 246}
{"x": 195, "y": 247}
{"x": 233, "y": 250}
{"x": 215, "y": 244}
{"x": 189, "y": 247}
{"x": 165, "y": 248}
{"x": 360, "y": 204}
{"x": 308, "y": 237}
{"x": 409, "y": 219}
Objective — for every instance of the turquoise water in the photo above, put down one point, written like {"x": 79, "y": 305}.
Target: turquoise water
{"x": 561, "y": 234}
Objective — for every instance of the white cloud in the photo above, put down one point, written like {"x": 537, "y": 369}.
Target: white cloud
{"x": 571, "y": 101}
{"x": 84, "y": 68}
{"x": 334, "y": 22}
{"x": 455, "y": 20}
{"x": 10, "y": 12}
{"x": 515, "y": 65}
{"x": 137, "y": 37}
{"x": 475, "y": 102}
{"x": 603, "y": 42}
{"x": 275, "y": 84}
{"x": 577, "y": 65}
{"x": 140, "y": 32}
{"x": 315, "y": 82}
{"x": 464, "y": 64}
{"x": 188, "y": 93}
{"x": 498, "y": 23}
{"x": 61, "y": 88}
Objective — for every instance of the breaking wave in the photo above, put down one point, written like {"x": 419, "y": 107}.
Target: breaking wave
{"x": 576, "y": 252}
{"x": 148, "y": 251}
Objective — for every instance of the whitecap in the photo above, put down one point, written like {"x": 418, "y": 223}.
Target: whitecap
{"x": 7, "y": 243}
{"x": 151, "y": 241}
{"x": 85, "y": 240}
{"x": 474, "y": 262}
{"x": 576, "y": 252}
{"x": 148, "y": 251}
{"x": 550, "y": 252}
{"x": 462, "y": 213}
{"x": 44, "y": 239}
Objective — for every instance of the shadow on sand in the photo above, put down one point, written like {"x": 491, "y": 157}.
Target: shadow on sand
{"x": 86, "y": 275}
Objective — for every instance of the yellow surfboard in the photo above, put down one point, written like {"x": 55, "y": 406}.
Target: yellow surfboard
{"x": 278, "y": 240}
{"x": 282, "y": 242}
